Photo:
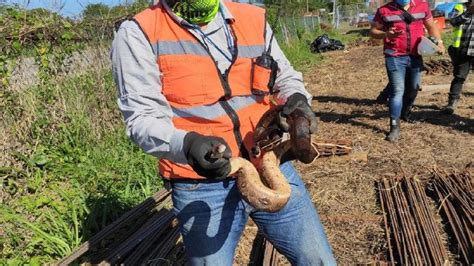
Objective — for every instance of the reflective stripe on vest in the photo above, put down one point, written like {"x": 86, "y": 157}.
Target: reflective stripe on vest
{"x": 211, "y": 112}
{"x": 203, "y": 100}
{"x": 192, "y": 48}
{"x": 457, "y": 32}
{"x": 395, "y": 18}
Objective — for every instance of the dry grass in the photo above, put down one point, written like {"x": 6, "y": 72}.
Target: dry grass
{"x": 344, "y": 192}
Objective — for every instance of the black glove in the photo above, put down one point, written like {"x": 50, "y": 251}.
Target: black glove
{"x": 201, "y": 152}
{"x": 294, "y": 102}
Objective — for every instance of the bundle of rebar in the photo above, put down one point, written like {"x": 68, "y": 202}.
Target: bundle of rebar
{"x": 454, "y": 193}
{"x": 334, "y": 147}
{"x": 414, "y": 236}
{"x": 147, "y": 234}
{"x": 144, "y": 234}
{"x": 440, "y": 66}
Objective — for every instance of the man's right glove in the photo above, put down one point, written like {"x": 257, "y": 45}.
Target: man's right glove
{"x": 201, "y": 152}
{"x": 297, "y": 101}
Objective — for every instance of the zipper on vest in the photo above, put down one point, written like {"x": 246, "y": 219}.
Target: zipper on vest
{"x": 408, "y": 38}
{"x": 225, "y": 81}
{"x": 236, "y": 122}
{"x": 224, "y": 78}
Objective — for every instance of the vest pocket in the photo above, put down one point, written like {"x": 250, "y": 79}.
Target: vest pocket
{"x": 260, "y": 80}
{"x": 264, "y": 72}
{"x": 189, "y": 80}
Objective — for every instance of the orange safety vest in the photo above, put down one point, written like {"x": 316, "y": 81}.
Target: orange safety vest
{"x": 202, "y": 99}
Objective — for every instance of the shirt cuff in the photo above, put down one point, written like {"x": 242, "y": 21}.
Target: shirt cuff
{"x": 176, "y": 153}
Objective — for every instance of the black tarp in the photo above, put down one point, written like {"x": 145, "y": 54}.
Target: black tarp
{"x": 323, "y": 44}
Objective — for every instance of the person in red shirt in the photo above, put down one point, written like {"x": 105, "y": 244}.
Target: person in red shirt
{"x": 401, "y": 24}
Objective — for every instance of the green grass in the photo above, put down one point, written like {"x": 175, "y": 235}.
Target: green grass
{"x": 447, "y": 36}
{"x": 75, "y": 173}
{"x": 298, "y": 53}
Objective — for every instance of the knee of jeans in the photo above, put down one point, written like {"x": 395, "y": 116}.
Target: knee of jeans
{"x": 397, "y": 92}
{"x": 313, "y": 255}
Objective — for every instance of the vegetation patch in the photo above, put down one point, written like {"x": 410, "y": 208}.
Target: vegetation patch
{"x": 76, "y": 171}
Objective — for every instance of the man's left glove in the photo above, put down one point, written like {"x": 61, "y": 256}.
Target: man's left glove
{"x": 203, "y": 157}
{"x": 300, "y": 102}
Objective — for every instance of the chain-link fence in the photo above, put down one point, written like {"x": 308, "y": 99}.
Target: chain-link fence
{"x": 346, "y": 17}
{"x": 294, "y": 27}
{"x": 356, "y": 15}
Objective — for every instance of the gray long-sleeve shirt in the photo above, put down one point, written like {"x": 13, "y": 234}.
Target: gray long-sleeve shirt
{"x": 147, "y": 113}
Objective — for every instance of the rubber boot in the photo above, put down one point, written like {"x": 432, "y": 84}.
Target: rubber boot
{"x": 451, "y": 107}
{"x": 394, "y": 133}
{"x": 407, "y": 114}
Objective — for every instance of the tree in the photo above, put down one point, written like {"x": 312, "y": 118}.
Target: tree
{"x": 95, "y": 10}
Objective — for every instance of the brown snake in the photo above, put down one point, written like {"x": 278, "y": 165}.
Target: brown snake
{"x": 261, "y": 183}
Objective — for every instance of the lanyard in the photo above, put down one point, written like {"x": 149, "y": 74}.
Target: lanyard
{"x": 228, "y": 35}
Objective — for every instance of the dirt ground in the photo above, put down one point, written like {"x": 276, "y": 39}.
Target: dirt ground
{"x": 344, "y": 89}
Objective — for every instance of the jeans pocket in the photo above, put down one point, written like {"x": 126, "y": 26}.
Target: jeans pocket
{"x": 186, "y": 186}
{"x": 391, "y": 63}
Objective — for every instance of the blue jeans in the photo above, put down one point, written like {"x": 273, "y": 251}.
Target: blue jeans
{"x": 404, "y": 74}
{"x": 213, "y": 215}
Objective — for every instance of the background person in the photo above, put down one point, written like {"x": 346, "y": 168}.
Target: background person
{"x": 184, "y": 75}
{"x": 461, "y": 52}
{"x": 401, "y": 24}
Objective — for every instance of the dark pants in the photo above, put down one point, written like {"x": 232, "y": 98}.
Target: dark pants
{"x": 462, "y": 65}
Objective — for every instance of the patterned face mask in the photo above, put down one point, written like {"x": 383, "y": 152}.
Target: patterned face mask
{"x": 195, "y": 11}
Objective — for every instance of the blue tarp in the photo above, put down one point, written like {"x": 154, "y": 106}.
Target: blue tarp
{"x": 446, "y": 8}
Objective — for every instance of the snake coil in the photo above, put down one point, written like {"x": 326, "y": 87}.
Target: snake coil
{"x": 261, "y": 183}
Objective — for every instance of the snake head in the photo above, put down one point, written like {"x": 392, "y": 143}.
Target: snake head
{"x": 300, "y": 137}
{"x": 268, "y": 131}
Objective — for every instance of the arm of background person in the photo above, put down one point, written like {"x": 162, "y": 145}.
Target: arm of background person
{"x": 146, "y": 112}
{"x": 288, "y": 81}
{"x": 432, "y": 28}
{"x": 376, "y": 31}
{"x": 377, "y": 27}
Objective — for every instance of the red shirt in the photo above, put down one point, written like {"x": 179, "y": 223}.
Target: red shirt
{"x": 390, "y": 15}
